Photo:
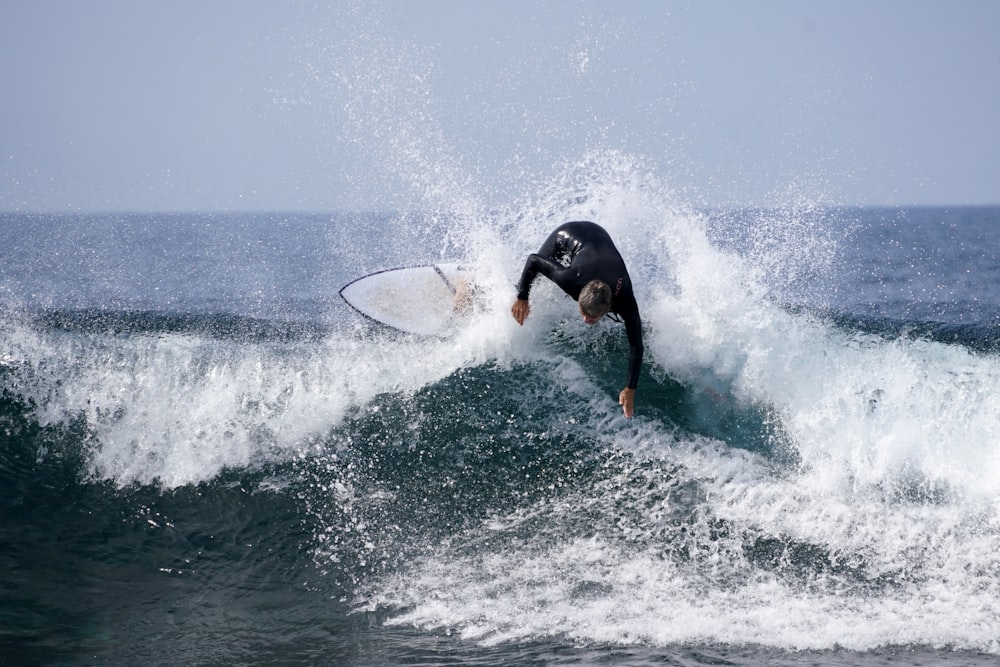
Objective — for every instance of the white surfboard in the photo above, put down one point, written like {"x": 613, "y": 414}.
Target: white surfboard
{"x": 412, "y": 299}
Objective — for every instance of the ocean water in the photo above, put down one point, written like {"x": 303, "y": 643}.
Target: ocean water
{"x": 206, "y": 457}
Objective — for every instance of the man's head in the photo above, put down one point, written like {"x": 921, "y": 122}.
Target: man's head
{"x": 595, "y": 301}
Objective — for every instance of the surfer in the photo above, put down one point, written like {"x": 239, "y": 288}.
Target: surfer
{"x": 582, "y": 260}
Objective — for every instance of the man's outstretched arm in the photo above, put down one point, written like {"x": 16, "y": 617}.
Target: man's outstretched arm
{"x": 633, "y": 329}
{"x": 534, "y": 265}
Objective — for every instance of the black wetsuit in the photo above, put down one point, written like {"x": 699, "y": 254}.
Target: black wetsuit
{"x": 573, "y": 255}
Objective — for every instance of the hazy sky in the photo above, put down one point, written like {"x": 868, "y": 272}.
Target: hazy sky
{"x": 241, "y": 105}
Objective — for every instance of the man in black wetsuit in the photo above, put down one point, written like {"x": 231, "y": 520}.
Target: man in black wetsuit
{"x": 581, "y": 258}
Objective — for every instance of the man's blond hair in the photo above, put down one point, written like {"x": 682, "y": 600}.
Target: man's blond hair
{"x": 595, "y": 298}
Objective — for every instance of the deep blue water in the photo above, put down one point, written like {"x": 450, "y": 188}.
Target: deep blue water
{"x": 207, "y": 458}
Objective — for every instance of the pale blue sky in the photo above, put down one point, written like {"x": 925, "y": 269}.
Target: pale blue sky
{"x": 252, "y": 105}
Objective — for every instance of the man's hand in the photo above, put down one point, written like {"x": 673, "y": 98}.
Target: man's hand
{"x": 626, "y": 399}
{"x": 520, "y": 310}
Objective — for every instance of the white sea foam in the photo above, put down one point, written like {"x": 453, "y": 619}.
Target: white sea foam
{"x": 175, "y": 409}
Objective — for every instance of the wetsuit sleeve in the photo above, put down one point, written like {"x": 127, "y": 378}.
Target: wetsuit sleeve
{"x": 633, "y": 329}
{"x": 534, "y": 265}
